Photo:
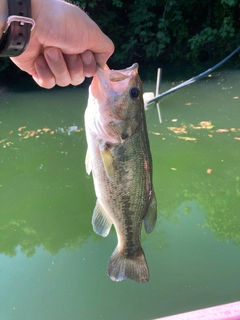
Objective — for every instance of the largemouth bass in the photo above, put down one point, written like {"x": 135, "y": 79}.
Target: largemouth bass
{"x": 120, "y": 160}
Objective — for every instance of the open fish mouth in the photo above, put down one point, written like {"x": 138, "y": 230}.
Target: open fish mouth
{"x": 117, "y": 80}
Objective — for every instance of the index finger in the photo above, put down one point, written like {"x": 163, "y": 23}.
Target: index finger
{"x": 101, "y": 46}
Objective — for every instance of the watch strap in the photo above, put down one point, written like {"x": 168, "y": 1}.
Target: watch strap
{"x": 16, "y": 35}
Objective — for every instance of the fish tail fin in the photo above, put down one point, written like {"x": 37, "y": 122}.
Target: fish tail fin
{"x": 134, "y": 267}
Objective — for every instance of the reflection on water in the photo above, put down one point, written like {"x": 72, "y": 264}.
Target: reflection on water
{"x": 48, "y": 250}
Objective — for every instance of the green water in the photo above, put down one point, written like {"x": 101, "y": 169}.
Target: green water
{"x": 53, "y": 266}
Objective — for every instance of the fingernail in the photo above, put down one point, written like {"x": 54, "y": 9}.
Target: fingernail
{"x": 36, "y": 79}
{"x": 73, "y": 57}
{"x": 87, "y": 58}
{"x": 53, "y": 54}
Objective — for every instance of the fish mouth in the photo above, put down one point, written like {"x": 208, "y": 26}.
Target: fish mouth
{"x": 117, "y": 75}
{"x": 107, "y": 80}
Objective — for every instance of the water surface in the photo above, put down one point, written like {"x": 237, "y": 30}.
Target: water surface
{"x": 53, "y": 266}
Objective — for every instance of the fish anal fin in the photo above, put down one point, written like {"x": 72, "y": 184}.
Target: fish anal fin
{"x": 88, "y": 162}
{"x": 100, "y": 221}
{"x": 121, "y": 267}
{"x": 108, "y": 161}
{"x": 151, "y": 215}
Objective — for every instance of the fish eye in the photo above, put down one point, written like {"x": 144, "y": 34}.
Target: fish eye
{"x": 134, "y": 93}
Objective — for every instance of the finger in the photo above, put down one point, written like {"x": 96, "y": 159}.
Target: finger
{"x": 104, "y": 51}
{"x": 101, "y": 59}
{"x": 89, "y": 63}
{"x": 75, "y": 68}
{"x": 43, "y": 75}
{"x": 100, "y": 45}
{"x": 57, "y": 65}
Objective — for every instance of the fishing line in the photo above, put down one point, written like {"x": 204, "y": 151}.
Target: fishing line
{"x": 184, "y": 84}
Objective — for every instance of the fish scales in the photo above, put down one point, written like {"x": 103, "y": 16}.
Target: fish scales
{"x": 121, "y": 168}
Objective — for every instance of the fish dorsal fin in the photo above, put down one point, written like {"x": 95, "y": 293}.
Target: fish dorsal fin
{"x": 108, "y": 162}
{"x": 88, "y": 162}
{"x": 151, "y": 215}
{"x": 100, "y": 221}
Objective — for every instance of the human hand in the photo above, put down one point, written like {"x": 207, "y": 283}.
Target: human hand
{"x": 65, "y": 45}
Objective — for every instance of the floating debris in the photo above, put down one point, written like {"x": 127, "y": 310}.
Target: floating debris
{"x": 21, "y": 128}
{"x": 36, "y": 133}
{"x": 155, "y": 133}
{"x": 195, "y": 127}
{"x": 187, "y": 138}
{"x": 32, "y": 133}
{"x": 222, "y": 130}
{"x": 178, "y": 130}
{"x": 206, "y": 124}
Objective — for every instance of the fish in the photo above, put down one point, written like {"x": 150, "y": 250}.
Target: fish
{"x": 120, "y": 160}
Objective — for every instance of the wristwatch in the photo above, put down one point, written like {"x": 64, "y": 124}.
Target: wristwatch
{"x": 16, "y": 33}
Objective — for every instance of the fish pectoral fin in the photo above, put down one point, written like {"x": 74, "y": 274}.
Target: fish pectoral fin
{"x": 100, "y": 221}
{"x": 151, "y": 215}
{"x": 88, "y": 162}
{"x": 108, "y": 162}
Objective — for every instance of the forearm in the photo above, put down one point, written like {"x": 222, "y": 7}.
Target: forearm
{"x": 3, "y": 15}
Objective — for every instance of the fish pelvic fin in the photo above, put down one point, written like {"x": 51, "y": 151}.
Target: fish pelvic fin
{"x": 121, "y": 267}
{"x": 151, "y": 215}
{"x": 100, "y": 221}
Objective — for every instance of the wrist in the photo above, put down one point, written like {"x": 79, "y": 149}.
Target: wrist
{"x": 3, "y": 15}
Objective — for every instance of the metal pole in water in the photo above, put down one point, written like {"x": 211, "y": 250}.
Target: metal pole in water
{"x": 157, "y": 93}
